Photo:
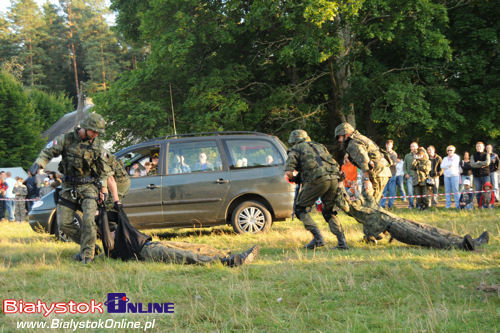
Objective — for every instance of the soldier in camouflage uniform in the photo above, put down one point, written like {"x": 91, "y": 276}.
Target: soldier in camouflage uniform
{"x": 366, "y": 156}
{"x": 189, "y": 254}
{"x": 20, "y": 191}
{"x": 376, "y": 220}
{"x": 119, "y": 180}
{"x": 85, "y": 176}
{"x": 319, "y": 175}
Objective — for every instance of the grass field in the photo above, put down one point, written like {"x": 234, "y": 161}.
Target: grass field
{"x": 388, "y": 287}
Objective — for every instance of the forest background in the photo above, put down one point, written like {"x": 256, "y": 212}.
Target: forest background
{"x": 406, "y": 70}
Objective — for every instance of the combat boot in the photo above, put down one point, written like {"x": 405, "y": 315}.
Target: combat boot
{"x": 240, "y": 259}
{"x": 468, "y": 243}
{"x": 87, "y": 261}
{"x": 317, "y": 241}
{"x": 483, "y": 239}
{"x": 342, "y": 244}
{"x": 97, "y": 251}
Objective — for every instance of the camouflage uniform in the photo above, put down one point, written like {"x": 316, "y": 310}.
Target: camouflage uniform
{"x": 376, "y": 220}
{"x": 118, "y": 171}
{"x": 182, "y": 253}
{"x": 85, "y": 169}
{"x": 422, "y": 168}
{"x": 20, "y": 191}
{"x": 362, "y": 151}
{"x": 319, "y": 174}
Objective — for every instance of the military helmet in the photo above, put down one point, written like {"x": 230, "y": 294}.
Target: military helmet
{"x": 343, "y": 129}
{"x": 297, "y": 136}
{"x": 94, "y": 121}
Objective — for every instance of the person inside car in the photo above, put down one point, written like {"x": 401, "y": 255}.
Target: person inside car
{"x": 203, "y": 164}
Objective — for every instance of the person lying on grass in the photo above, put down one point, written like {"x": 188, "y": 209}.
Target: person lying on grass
{"x": 126, "y": 242}
{"x": 377, "y": 220}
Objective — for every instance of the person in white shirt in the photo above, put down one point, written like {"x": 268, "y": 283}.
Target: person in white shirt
{"x": 400, "y": 174}
{"x": 11, "y": 182}
{"x": 451, "y": 171}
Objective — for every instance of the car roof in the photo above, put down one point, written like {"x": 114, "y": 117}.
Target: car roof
{"x": 195, "y": 136}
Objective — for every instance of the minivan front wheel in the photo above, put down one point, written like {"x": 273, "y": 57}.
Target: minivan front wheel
{"x": 252, "y": 217}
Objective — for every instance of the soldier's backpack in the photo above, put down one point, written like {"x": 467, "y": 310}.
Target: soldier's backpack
{"x": 374, "y": 151}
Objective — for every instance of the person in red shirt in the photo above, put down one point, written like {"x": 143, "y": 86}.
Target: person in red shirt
{"x": 351, "y": 176}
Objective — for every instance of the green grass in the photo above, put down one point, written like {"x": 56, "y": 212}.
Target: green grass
{"x": 388, "y": 287}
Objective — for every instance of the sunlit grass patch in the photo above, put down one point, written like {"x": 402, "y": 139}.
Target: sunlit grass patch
{"x": 387, "y": 287}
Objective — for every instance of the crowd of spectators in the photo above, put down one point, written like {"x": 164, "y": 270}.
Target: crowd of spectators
{"x": 473, "y": 175}
{"x": 17, "y": 195}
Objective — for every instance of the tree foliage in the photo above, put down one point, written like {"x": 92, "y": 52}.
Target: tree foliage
{"x": 42, "y": 46}
{"x": 19, "y": 133}
{"x": 49, "y": 107}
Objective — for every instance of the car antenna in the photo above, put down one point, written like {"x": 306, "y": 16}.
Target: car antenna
{"x": 172, "y": 106}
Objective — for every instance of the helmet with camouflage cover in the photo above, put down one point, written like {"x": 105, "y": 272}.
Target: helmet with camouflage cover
{"x": 297, "y": 136}
{"x": 94, "y": 121}
{"x": 343, "y": 129}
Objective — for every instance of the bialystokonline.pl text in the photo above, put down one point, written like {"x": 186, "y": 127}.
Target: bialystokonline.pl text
{"x": 86, "y": 324}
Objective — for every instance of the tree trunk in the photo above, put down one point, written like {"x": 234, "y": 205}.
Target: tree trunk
{"x": 103, "y": 72}
{"x": 70, "y": 24}
{"x": 30, "y": 46}
{"x": 340, "y": 73}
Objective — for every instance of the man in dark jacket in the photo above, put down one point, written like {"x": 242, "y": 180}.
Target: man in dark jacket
{"x": 480, "y": 164}
{"x": 33, "y": 190}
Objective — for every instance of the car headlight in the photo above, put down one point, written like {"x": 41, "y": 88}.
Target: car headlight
{"x": 37, "y": 204}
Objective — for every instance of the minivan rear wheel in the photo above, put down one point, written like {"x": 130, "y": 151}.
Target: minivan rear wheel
{"x": 251, "y": 217}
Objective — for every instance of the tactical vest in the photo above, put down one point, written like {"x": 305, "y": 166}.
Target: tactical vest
{"x": 315, "y": 161}
{"x": 79, "y": 158}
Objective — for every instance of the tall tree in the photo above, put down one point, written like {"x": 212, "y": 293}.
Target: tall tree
{"x": 475, "y": 72}
{"x": 20, "y": 132}
{"x": 26, "y": 23}
{"x": 102, "y": 51}
{"x": 56, "y": 63}
{"x": 8, "y": 46}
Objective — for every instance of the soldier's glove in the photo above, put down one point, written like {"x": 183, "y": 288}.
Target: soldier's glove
{"x": 341, "y": 176}
{"x": 34, "y": 169}
{"x": 118, "y": 205}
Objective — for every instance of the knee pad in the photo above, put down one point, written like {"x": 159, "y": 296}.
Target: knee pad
{"x": 300, "y": 212}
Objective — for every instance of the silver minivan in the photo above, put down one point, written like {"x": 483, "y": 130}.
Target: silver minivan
{"x": 199, "y": 180}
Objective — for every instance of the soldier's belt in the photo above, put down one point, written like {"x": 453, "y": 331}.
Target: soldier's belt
{"x": 79, "y": 180}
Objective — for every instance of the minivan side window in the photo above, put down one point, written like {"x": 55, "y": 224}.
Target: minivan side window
{"x": 252, "y": 153}
{"x": 142, "y": 162}
{"x": 188, "y": 157}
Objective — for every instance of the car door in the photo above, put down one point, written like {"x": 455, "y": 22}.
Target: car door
{"x": 143, "y": 201}
{"x": 256, "y": 166}
{"x": 196, "y": 184}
